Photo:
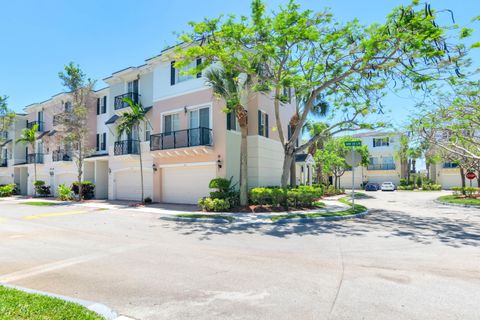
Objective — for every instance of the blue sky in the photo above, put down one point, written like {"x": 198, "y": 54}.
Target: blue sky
{"x": 39, "y": 37}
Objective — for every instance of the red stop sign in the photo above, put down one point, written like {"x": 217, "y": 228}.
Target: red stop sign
{"x": 471, "y": 175}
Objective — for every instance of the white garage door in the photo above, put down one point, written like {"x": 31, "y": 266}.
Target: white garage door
{"x": 451, "y": 180}
{"x": 127, "y": 185}
{"x": 186, "y": 184}
{"x": 66, "y": 179}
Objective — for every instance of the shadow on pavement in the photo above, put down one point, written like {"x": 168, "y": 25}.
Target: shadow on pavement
{"x": 386, "y": 224}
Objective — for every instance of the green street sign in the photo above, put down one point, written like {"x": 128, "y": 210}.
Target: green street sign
{"x": 353, "y": 143}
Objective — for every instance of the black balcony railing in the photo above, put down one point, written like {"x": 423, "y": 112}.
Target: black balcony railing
{"x": 120, "y": 104}
{"x": 30, "y": 125}
{"x": 4, "y": 135}
{"x": 126, "y": 147}
{"x": 381, "y": 166}
{"x": 35, "y": 158}
{"x": 61, "y": 155}
{"x": 181, "y": 139}
{"x": 3, "y": 163}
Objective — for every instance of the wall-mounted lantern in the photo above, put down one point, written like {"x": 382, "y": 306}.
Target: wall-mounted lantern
{"x": 109, "y": 170}
{"x": 52, "y": 171}
{"x": 219, "y": 162}
{"x": 154, "y": 167}
{"x": 185, "y": 109}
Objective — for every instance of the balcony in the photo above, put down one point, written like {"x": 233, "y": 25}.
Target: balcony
{"x": 35, "y": 158}
{"x": 381, "y": 166}
{"x": 3, "y": 163}
{"x": 41, "y": 126}
{"x": 120, "y": 104}
{"x": 181, "y": 139}
{"x": 61, "y": 155}
{"x": 4, "y": 135}
{"x": 126, "y": 147}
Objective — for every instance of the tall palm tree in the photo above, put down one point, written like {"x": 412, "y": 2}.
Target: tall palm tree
{"x": 29, "y": 138}
{"x": 129, "y": 123}
{"x": 234, "y": 88}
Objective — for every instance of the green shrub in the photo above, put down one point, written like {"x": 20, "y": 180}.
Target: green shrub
{"x": 470, "y": 191}
{"x": 65, "y": 193}
{"x": 41, "y": 188}
{"x": 419, "y": 181}
{"x": 224, "y": 191}
{"x": 403, "y": 182}
{"x": 261, "y": 196}
{"x": 7, "y": 190}
{"x": 431, "y": 187}
{"x": 457, "y": 191}
{"x": 216, "y": 205}
{"x": 88, "y": 189}
{"x": 147, "y": 200}
{"x": 302, "y": 196}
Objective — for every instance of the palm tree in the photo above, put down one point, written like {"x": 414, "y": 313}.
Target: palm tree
{"x": 29, "y": 138}
{"x": 129, "y": 123}
{"x": 234, "y": 88}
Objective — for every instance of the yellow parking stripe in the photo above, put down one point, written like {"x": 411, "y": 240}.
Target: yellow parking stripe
{"x": 55, "y": 214}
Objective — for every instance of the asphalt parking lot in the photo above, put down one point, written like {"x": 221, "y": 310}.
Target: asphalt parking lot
{"x": 410, "y": 258}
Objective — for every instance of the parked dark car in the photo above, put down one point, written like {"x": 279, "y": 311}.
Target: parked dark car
{"x": 372, "y": 187}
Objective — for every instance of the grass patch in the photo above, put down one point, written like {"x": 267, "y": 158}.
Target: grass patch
{"x": 205, "y": 216}
{"x": 16, "y": 304}
{"x": 319, "y": 204}
{"x": 456, "y": 200}
{"x": 40, "y": 203}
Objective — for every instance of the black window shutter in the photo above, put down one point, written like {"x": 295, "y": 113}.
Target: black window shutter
{"x": 260, "y": 131}
{"x": 229, "y": 121}
{"x": 104, "y": 109}
{"x": 199, "y": 61}
{"x": 374, "y": 142}
{"x": 98, "y": 106}
{"x": 289, "y": 132}
{"x": 266, "y": 125}
{"x": 104, "y": 143}
{"x": 172, "y": 73}
{"x": 98, "y": 142}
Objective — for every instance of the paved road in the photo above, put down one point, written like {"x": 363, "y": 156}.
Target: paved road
{"x": 409, "y": 259}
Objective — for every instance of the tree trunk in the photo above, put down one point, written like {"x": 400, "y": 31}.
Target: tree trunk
{"x": 414, "y": 165}
{"x": 409, "y": 165}
{"x": 287, "y": 163}
{"x": 293, "y": 174}
{"x": 462, "y": 174}
{"x": 80, "y": 173}
{"x": 428, "y": 171}
{"x": 34, "y": 170}
{"x": 243, "y": 164}
{"x": 141, "y": 165}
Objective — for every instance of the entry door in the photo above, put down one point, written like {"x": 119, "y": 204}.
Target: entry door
{"x": 199, "y": 125}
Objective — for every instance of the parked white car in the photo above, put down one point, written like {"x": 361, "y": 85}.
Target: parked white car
{"x": 387, "y": 186}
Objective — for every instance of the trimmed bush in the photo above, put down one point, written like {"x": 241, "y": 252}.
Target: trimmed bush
{"x": 407, "y": 187}
{"x": 302, "y": 196}
{"x": 217, "y": 205}
{"x": 431, "y": 187}
{"x": 471, "y": 191}
{"x": 41, "y": 188}
{"x": 457, "y": 191}
{"x": 7, "y": 190}
{"x": 88, "y": 189}
{"x": 65, "y": 193}
{"x": 147, "y": 200}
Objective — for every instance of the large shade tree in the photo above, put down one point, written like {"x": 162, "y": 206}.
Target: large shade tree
{"x": 345, "y": 64}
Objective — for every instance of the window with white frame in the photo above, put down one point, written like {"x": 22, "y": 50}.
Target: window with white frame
{"x": 171, "y": 122}
{"x": 182, "y": 76}
{"x": 381, "y": 142}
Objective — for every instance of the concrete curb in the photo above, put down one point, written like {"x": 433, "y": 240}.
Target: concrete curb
{"x": 456, "y": 204}
{"x": 333, "y": 218}
{"x": 96, "y": 307}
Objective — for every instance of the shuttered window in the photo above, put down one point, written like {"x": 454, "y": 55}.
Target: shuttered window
{"x": 263, "y": 128}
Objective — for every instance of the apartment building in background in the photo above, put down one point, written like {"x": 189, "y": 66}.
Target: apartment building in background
{"x": 384, "y": 163}
{"x": 187, "y": 141}
{"x": 448, "y": 175}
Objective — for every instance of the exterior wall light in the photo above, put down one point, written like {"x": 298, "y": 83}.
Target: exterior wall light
{"x": 52, "y": 171}
{"x": 219, "y": 162}
{"x": 154, "y": 167}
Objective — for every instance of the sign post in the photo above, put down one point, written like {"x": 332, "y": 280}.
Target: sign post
{"x": 353, "y": 161}
{"x": 470, "y": 175}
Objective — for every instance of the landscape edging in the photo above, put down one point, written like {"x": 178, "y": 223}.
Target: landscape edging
{"x": 456, "y": 204}
{"x": 213, "y": 220}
